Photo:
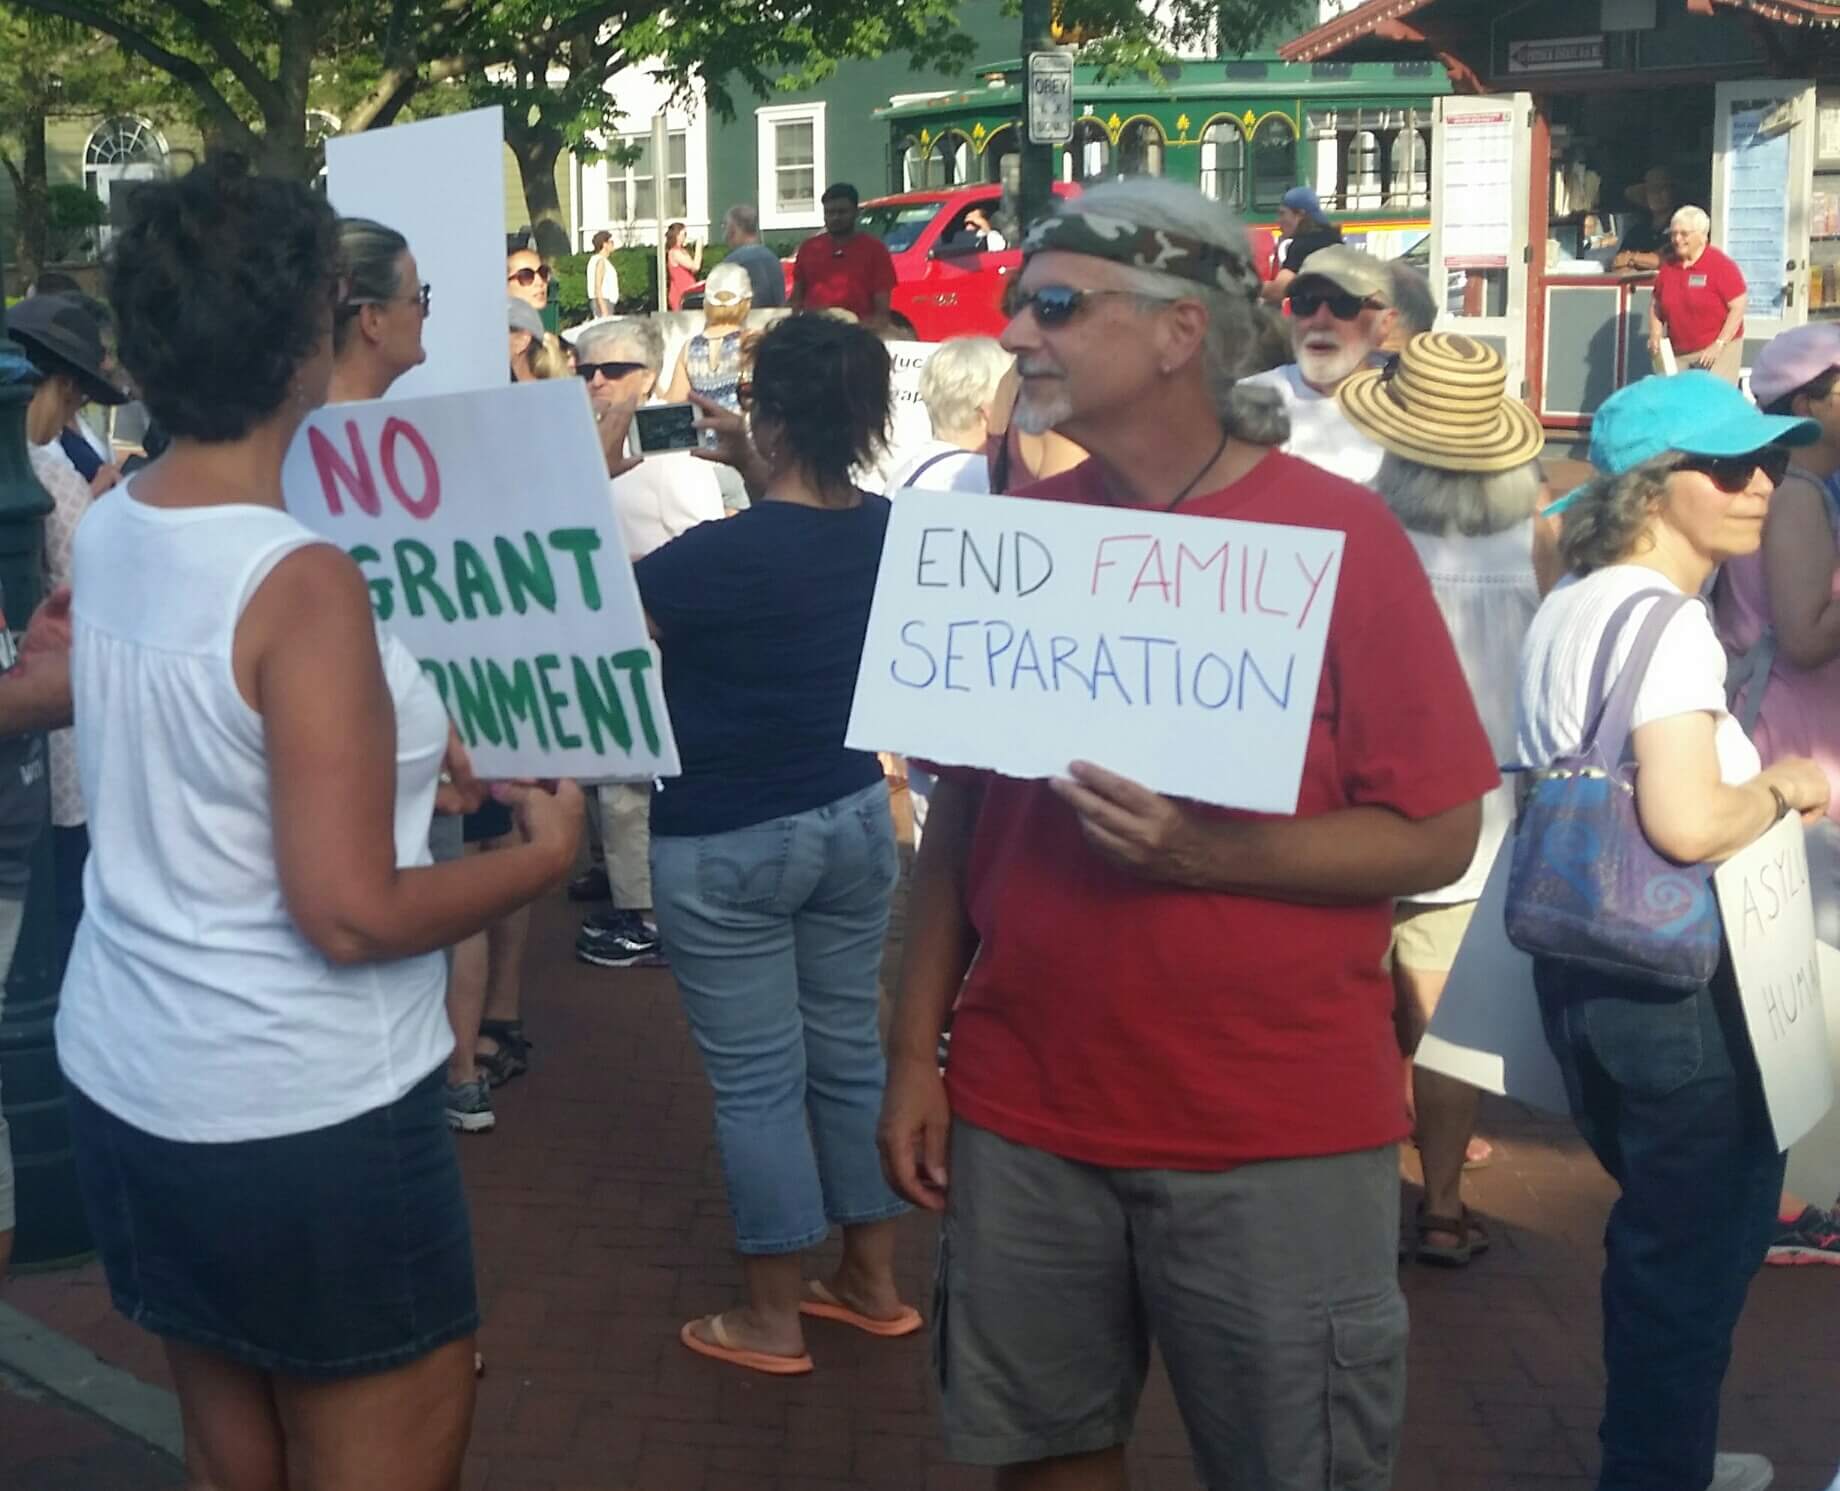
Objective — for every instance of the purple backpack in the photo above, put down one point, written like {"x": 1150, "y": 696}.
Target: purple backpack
{"x": 1585, "y": 885}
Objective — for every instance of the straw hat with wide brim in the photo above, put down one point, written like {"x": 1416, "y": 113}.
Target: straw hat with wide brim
{"x": 1444, "y": 402}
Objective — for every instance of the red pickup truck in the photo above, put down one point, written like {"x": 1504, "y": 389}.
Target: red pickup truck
{"x": 948, "y": 279}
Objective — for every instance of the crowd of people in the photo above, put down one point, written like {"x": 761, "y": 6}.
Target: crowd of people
{"x": 301, "y": 920}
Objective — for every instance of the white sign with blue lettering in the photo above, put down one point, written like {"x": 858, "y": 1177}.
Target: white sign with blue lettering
{"x": 1020, "y": 635}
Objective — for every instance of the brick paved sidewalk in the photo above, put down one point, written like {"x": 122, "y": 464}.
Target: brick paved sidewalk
{"x": 47, "y": 1444}
{"x": 601, "y": 1226}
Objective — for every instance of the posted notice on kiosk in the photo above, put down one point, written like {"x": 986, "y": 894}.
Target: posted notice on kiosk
{"x": 1020, "y": 635}
{"x": 485, "y": 527}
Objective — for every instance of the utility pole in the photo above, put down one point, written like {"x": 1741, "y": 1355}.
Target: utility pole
{"x": 1035, "y": 191}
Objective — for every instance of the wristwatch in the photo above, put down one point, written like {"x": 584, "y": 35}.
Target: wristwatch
{"x": 1782, "y": 805}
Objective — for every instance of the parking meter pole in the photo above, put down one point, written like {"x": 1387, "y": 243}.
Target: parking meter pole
{"x": 51, "y": 1228}
{"x": 1037, "y": 184}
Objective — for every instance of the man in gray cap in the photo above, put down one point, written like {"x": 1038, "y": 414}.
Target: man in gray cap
{"x": 1341, "y": 314}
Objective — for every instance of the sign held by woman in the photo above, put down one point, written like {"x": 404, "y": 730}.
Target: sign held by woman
{"x": 483, "y": 524}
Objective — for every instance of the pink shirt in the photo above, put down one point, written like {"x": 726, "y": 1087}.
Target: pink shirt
{"x": 1801, "y": 706}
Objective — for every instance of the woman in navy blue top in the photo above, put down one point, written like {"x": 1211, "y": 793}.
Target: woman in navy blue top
{"x": 773, "y": 855}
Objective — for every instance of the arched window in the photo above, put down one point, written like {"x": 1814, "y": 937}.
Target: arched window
{"x": 1088, "y": 155}
{"x": 1274, "y": 160}
{"x": 1140, "y": 149}
{"x": 119, "y": 143}
{"x": 1223, "y": 162}
{"x": 1362, "y": 173}
{"x": 912, "y": 165}
{"x": 1001, "y": 146}
{"x": 121, "y": 149}
{"x": 950, "y": 162}
{"x": 1410, "y": 176}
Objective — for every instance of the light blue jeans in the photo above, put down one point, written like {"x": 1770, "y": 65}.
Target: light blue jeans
{"x": 775, "y": 934}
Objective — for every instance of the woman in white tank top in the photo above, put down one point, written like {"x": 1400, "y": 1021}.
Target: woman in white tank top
{"x": 252, "y": 1023}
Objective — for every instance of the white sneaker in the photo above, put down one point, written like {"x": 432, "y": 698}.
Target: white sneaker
{"x": 1741, "y": 1473}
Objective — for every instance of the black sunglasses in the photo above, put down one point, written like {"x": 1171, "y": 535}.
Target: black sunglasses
{"x": 608, "y": 370}
{"x": 1053, "y": 305}
{"x": 528, "y": 276}
{"x": 1733, "y": 473}
{"x": 1342, "y": 305}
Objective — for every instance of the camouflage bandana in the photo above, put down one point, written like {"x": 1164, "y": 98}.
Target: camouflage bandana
{"x": 1155, "y": 249}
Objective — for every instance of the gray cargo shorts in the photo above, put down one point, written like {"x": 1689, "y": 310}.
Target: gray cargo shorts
{"x": 1271, "y": 1290}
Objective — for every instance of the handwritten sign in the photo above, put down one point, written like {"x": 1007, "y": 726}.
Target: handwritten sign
{"x": 909, "y": 424}
{"x": 1486, "y": 1029}
{"x": 484, "y": 524}
{"x": 440, "y": 183}
{"x": 1017, "y": 635}
{"x": 1768, "y": 909}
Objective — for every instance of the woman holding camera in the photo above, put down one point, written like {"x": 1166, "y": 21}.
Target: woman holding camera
{"x": 773, "y": 855}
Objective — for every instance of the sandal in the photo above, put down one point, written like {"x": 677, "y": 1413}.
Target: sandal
{"x": 1472, "y": 1239}
{"x": 511, "y": 1059}
{"x": 721, "y": 1349}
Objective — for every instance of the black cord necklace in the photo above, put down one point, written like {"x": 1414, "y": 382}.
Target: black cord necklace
{"x": 1194, "y": 481}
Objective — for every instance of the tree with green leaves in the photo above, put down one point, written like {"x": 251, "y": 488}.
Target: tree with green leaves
{"x": 51, "y": 68}
{"x": 253, "y": 69}
{"x": 549, "y": 66}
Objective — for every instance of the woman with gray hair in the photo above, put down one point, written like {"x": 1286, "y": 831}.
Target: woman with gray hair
{"x": 957, "y": 386}
{"x": 1462, "y": 473}
{"x": 1663, "y": 1084}
{"x": 1699, "y": 298}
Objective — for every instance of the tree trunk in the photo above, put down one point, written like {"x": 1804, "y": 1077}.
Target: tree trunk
{"x": 30, "y": 193}
{"x": 537, "y": 150}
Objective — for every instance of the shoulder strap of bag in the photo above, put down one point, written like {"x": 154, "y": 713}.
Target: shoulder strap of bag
{"x": 929, "y": 463}
{"x": 1610, "y": 725}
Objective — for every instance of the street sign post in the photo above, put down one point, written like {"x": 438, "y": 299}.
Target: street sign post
{"x": 1050, "y": 98}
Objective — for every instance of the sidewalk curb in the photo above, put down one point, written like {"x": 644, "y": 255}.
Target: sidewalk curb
{"x": 75, "y": 1373}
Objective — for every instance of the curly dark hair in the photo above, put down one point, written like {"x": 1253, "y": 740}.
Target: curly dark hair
{"x": 826, "y": 383}
{"x": 222, "y": 286}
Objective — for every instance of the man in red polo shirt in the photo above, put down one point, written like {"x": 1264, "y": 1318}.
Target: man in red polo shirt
{"x": 842, "y": 268}
{"x": 1172, "y": 1105}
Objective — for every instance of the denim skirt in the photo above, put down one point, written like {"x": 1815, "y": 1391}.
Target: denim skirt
{"x": 333, "y": 1253}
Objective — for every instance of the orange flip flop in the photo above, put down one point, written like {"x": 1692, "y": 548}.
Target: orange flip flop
{"x": 721, "y": 1349}
{"x": 824, "y": 1305}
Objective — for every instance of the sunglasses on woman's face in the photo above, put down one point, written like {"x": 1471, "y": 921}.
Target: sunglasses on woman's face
{"x": 1343, "y": 306}
{"x": 608, "y": 370}
{"x": 1732, "y": 474}
{"x": 528, "y": 276}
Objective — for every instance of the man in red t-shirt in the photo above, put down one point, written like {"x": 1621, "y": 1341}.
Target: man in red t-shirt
{"x": 1172, "y": 1104}
{"x": 1699, "y": 299}
{"x": 842, "y": 268}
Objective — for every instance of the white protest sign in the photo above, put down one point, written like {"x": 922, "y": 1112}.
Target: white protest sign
{"x": 441, "y": 184}
{"x": 1768, "y": 909}
{"x": 484, "y": 524}
{"x": 908, "y": 422}
{"x": 1486, "y": 1029}
{"x": 1814, "y": 1159}
{"x": 1019, "y": 635}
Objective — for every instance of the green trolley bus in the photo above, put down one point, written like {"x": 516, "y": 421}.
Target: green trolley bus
{"x": 1244, "y": 130}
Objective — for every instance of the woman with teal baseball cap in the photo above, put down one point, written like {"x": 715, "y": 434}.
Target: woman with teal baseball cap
{"x": 1663, "y": 1084}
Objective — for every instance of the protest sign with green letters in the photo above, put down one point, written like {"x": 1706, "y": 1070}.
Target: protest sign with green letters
{"x": 484, "y": 526}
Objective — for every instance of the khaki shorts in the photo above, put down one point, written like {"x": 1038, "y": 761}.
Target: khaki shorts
{"x": 1271, "y": 1290}
{"x": 1426, "y": 936}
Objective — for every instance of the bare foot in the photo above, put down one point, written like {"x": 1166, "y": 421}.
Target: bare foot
{"x": 747, "y": 1331}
